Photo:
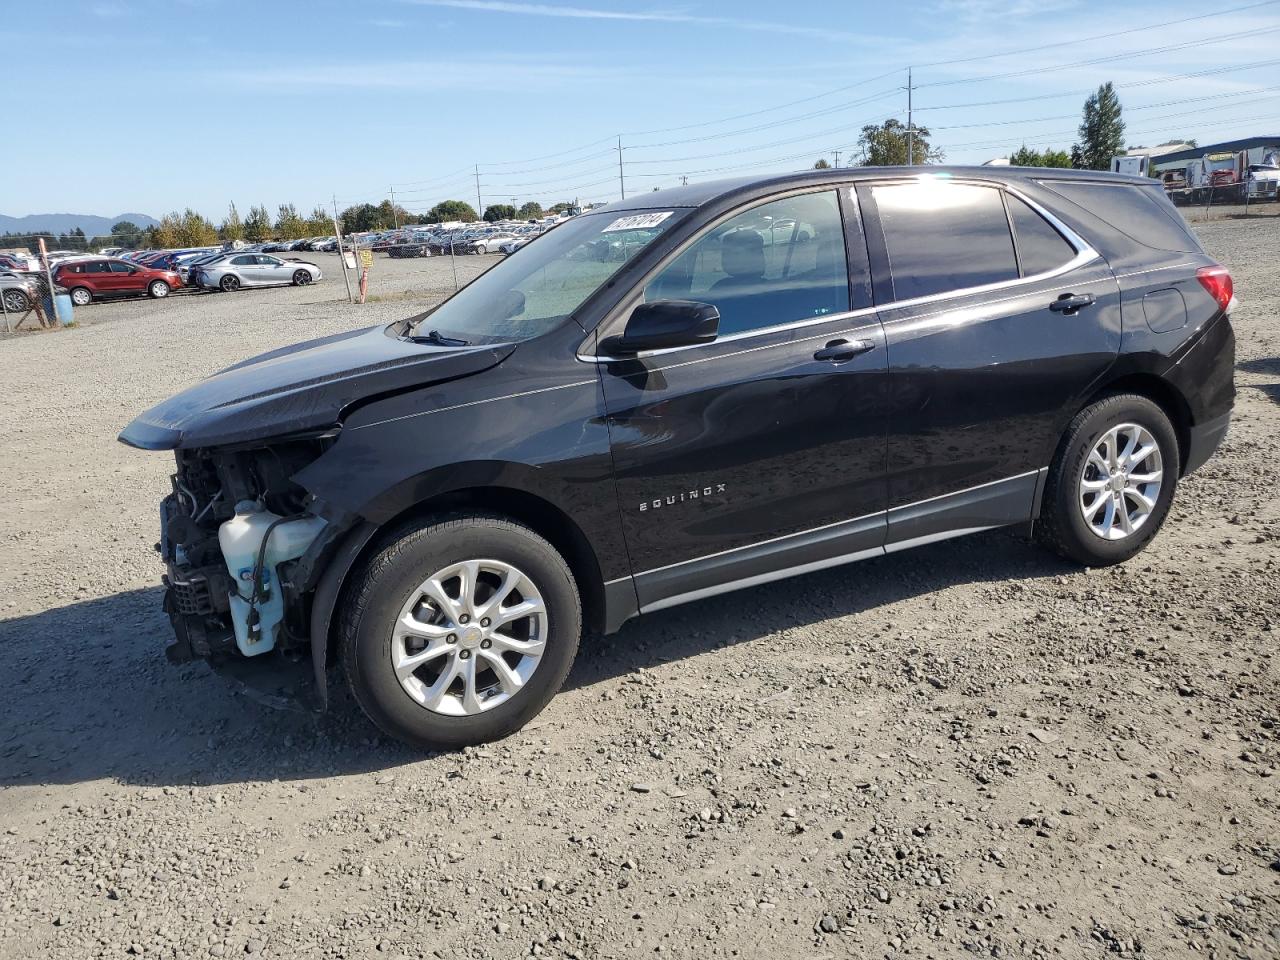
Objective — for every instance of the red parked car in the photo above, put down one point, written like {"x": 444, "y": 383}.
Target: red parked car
{"x": 101, "y": 277}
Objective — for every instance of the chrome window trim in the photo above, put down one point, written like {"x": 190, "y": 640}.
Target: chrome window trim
{"x": 1085, "y": 254}
{"x": 675, "y": 254}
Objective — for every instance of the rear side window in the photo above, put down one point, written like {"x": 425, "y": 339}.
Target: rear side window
{"x": 97, "y": 266}
{"x": 1041, "y": 248}
{"x": 943, "y": 237}
{"x": 1138, "y": 213}
{"x": 245, "y": 261}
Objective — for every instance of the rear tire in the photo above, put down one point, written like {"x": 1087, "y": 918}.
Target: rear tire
{"x": 1102, "y": 508}
{"x": 158, "y": 289}
{"x": 412, "y": 705}
{"x": 82, "y": 296}
{"x": 229, "y": 283}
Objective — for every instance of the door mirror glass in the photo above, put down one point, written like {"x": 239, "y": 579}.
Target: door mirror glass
{"x": 666, "y": 323}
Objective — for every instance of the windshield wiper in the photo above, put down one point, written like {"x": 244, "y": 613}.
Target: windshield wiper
{"x": 439, "y": 339}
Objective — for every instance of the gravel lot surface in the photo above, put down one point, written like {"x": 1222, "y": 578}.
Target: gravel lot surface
{"x": 968, "y": 748}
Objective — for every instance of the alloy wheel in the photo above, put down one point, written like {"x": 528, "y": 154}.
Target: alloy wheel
{"x": 15, "y": 301}
{"x": 81, "y": 297}
{"x": 159, "y": 289}
{"x": 469, "y": 637}
{"x": 1120, "y": 482}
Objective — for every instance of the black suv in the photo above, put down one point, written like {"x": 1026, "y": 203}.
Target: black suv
{"x": 685, "y": 393}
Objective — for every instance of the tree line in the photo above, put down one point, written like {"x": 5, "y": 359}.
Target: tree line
{"x": 191, "y": 229}
{"x": 1101, "y": 134}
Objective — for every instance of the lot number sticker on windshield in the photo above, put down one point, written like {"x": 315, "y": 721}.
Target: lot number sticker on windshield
{"x": 638, "y": 222}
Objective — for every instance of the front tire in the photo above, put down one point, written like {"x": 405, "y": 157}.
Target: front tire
{"x": 158, "y": 289}
{"x": 1111, "y": 483}
{"x": 459, "y": 632}
{"x": 15, "y": 301}
{"x": 301, "y": 278}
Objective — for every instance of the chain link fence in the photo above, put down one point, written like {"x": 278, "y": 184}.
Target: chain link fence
{"x": 1227, "y": 201}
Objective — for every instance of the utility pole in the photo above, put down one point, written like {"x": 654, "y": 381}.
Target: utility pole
{"x": 342, "y": 257}
{"x": 479, "y": 202}
{"x": 911, "y": 130}
{"x": 684, "y": 181}
{"x": 395, "y": 217}
{"x": 622, "y": 184}
{"x": 837, "y": 155}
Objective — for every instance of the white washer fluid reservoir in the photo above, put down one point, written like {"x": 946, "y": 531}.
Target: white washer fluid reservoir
{"x": 257, "y": 623}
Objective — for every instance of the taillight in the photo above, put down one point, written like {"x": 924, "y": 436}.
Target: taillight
{"x": 1217, "y": 280}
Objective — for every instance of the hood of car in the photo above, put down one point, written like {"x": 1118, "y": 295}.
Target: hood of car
{"x": 302, "y": 388}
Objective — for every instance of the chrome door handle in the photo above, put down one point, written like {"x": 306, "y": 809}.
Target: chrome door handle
{"x": 838, "y": 351}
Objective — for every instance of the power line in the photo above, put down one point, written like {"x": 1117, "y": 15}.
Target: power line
{"x": 1206, "y": 41}
{"x": 1216, "y": 14}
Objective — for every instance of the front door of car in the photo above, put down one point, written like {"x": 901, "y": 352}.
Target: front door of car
{"x": 999, "y": 320}
{"x": 762, "y": 451}
{"x": 272, "y": 269}
{"x": 121, "y": 278}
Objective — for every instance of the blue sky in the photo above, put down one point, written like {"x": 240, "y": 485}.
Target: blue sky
{"x": 160, "y": 104}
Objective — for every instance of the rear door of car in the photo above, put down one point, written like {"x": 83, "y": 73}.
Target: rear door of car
{"x": 761, "y": 453}
{"x": 999, "y": 321}
{"x": 245, "y": 266}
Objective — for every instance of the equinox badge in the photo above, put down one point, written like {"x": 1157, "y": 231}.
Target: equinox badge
{"x": 674, "y": 498}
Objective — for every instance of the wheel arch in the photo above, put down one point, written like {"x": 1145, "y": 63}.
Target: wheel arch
{"x": 1160, "y": 392}
{"x": 366, "y": 538}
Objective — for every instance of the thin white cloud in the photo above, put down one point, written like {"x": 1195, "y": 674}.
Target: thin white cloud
{"x": 644, "y": 16}
{"x": 109, "y": 10}
{"x": 416, "y": 75}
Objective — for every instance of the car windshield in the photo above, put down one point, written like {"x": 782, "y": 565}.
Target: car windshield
{"x": 536, "y": 289}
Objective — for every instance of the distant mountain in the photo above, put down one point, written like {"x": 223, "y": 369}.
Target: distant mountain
{"x": 57, "y": 223}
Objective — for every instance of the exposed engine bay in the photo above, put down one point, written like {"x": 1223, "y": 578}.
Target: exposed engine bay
{"x": 241, "y": 541}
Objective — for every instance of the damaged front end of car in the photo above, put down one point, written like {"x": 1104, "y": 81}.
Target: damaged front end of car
{"x": 244, "y": 547}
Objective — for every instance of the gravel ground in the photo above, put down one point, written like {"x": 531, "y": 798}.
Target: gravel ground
{"x": 972, "y": 747}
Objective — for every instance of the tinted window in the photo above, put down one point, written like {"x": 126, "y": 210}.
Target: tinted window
{"x": 119, "y": 268}
{"x": 944, "y": 236}
{"x": 245, "y": 261}
{"x": 1040, "y": 247}
{"x": 1141, "y": 214}
{"x": 98, "y": 266}
{"x": 269, "y": 261}
{"x": 776, "y": 263}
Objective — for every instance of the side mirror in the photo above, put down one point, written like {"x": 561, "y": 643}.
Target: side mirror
{"x": 664, "y": 324}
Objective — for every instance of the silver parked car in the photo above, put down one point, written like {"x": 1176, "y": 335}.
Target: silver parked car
{"x": 254, "y": 270}
{"x": 18, "y": 290}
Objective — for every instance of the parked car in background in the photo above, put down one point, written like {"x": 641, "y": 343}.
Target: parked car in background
{"x": 511, "y": 246}
{"x": 19, "y": 291}
{"x": 97, "y": 278}
{"x": 18, "y": 263}
{"x": 254, "y": 270}
{"x": 489, "y": 244}
{"x": 185, "y": 268}
{"x": 403, "y": 250}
